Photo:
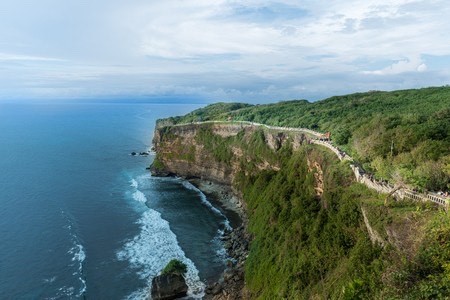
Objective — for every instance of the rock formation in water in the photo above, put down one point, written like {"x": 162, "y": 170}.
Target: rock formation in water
{"x": 168, "y": 286}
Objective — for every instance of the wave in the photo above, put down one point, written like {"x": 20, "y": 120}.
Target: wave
{"x": 139, "y": 196}
{"x": 153, "y": 248}
{"x": 134, "y": 183}
{"x": 78, "y": 256}
{"x": 221, "y": 252}
{"x": 142, "y": 180}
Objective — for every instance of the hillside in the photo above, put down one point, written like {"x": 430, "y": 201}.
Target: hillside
{"x": 316, "y": 233}
{"x": 400, "y": 136}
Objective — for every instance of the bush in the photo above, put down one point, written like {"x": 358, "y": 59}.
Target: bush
{"x": 342, "y": 136}
{"x": 157, "y": 164}
{"x": 175, "y": 267}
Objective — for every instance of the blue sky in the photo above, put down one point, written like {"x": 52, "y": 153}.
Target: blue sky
{"x": 254, "y": 51}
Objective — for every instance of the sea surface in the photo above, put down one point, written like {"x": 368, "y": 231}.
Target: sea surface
{"x": 80, "y": 218}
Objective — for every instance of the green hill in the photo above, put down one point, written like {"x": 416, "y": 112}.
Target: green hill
{"x": 316, "y": 233}
{"x": 399, "y": 136}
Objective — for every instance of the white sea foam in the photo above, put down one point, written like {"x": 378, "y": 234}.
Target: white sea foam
{"x": 139, "y": 196}
{"x": 66, "y": 291}
{"x": 78, "y": 253}
{"x": 141, "y": 294}
{"x": 205, "y": 201}
{"x": 151, "y": 250}
{"x": 78, "y": 257}
{"x": 50, "y": 280}
{"x": 221, "y": 252}
{"x": 134, "y": 183}
{"x": 203, "y": 198}
{"x": 143, "y": 179}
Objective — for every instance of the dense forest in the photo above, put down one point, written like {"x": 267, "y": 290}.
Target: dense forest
{"x": 400, "y": 136}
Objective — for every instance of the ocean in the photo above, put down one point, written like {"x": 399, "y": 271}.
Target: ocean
{"x": 81, "y": 218}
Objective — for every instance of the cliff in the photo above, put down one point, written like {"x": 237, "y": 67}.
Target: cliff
{"x": 180, "y": 152}
{"x": 217, "y": 152}
{"x": 312, "y": 226}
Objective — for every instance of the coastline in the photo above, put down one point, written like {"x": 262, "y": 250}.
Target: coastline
{"x": 236, "y": 242}
{"x": 224, "y": 197}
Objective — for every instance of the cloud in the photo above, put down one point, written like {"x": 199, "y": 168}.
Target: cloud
{"x": 240, "y": 50}
{"x": 18, "y": 57}
{"x": 401, "y": 66}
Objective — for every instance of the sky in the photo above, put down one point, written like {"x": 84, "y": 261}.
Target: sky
{"x": 249, "y": 51}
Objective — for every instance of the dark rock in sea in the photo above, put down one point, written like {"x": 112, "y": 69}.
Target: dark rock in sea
{"x": 133, "y": 153}
{"x": 143, "y": 153}
{"x": 168, "y": 286}
{"x": 159, "y": 173}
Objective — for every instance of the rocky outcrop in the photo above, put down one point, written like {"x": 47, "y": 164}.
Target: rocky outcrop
{"x": 179, "y": 153}
{"x": 275, "y": 140}
{"x": 316, "y": 169}
{"x": 168, "y": 286}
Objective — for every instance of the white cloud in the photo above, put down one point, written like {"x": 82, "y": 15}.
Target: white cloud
{"x": 18, "y": 57}
{"x": 275, "y": 49}
{"x": 401, "y": 66}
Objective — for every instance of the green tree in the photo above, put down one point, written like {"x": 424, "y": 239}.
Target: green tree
{"x": 342, "y": 136}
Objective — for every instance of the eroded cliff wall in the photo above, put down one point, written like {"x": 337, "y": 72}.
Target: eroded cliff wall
{"x": 218, "y": 152}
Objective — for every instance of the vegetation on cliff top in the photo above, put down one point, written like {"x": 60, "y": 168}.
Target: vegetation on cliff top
{"x": 401, "y": 136}
{"x": 204, "y": 114}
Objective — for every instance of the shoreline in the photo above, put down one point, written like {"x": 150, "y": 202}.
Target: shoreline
{"x": 223, "y": 197}
{"x": 236, "y": 242}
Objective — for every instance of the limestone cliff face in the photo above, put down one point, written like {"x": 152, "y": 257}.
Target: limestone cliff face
{"x": 181, "y": 152}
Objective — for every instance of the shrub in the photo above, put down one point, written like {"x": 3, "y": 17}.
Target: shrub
{"x": 175, "y": 267}
{"x": 157, "y": 164}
